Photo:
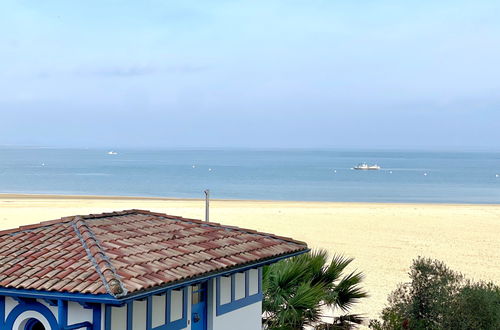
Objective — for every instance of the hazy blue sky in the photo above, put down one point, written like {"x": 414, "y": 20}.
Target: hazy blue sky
{"x": 369, "y": 74}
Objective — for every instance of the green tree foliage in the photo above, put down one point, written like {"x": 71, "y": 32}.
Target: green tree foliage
{"x": 439, "y": 298}
{"x": 297, "y": 290}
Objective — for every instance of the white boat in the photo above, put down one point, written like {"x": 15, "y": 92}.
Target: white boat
{"x": 112, "y": 153}
{"x": 365, "y": 166}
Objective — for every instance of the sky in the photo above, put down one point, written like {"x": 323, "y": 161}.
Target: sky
{"x": 274, "y": 74}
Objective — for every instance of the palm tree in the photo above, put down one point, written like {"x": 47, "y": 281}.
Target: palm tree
{"x": 298, "y": 290}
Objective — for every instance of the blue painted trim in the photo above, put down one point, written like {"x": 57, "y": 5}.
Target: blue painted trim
{"x": 2, "y": 312}
{"x": 168, "y": 306}
{"x": 217, "y": 295}
{"x": 160, "y": 290}
{"x": 78, "y": 297}
{"x": 30, "y": 306}
{"x": 30, "y": 324}
{"x": 80, "y": 325}
{"x": 180, "y": 323}
{"x": 130, "y": 315}
{"x": 233, "y": 287}
{"x": 62, "y": 313}
{"x": 110, "y": 300}
{"x": 23, "y": 300}
{"x": 52, "y": 302}
{"x": 260, "y": 280}
{"x": 235, "y": 304}
{"x": 149, "y": 313}
{"x": 107, "y": 318}
{"x": 247, "y": 283}
{"x": 96, "y": 317}
{"x": 86, "y": 305}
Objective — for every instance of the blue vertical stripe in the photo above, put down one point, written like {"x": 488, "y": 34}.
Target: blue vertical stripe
{"x": 2, "y": 312}
{"x": 260, "y": 280}
{"x": 107, "y": 319}
{"x": 168, "y": 306}
{"x": 185, "y": 293}
{"x": 96, "y": 317}
{"x": 247, "y": 283}
{"x": 233, "y": 287}
{"x": 217, "y": 295}
{"x": 62, "y": 313}
{"x": 130, "y": 315}
{"x": 149, "y": 313}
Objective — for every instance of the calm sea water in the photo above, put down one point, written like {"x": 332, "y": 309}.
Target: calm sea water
{"x": 321, "y": 175}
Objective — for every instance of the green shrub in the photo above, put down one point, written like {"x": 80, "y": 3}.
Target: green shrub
{"x": 477, "y": 306}
{"x": 439, "y": 298}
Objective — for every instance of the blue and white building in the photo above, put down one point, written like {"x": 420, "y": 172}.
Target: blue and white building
{"x": 135, "y": 270}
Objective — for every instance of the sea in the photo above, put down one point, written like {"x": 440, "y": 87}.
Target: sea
{"x": 280, "y": 174}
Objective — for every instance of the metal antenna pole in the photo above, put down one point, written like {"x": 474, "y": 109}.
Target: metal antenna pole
{"x": 207, "y": 204}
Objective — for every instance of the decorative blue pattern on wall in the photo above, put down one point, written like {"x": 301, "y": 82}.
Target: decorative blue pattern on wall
{"x": 30, "y": 306}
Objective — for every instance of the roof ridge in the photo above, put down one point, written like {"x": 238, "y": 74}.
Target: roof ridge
{"x": 36, "y": 225}
{"x": 216, "y": 224}
{"x": 145, "y": 212}
{"x": 63, "y": 220}
{"x": 100, "y": 260}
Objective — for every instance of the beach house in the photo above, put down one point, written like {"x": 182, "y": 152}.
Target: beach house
{"x": 135, "y": 270}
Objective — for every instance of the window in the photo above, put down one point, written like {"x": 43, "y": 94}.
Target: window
{"x": 198, "y": 294}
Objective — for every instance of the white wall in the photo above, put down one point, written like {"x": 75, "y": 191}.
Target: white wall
{"x": 253, "y": 281}
{"x": 9, "y": 305}
{"x": 246, "y": 318}
{"x": 158, "y": 310}
{"x": 225, "y": 289}
{"x": 139, "y": 313}
{"x": 239, "y": 286}
{"x": 119, "y": 318}
{"x": 77, "y": 314}
{"x": 177, "y": 297}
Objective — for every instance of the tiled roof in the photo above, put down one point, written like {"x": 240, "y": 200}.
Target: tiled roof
{"x": 124, "y": 252}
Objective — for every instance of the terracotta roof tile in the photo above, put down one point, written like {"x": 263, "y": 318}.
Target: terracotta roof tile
{"x": 123, "y": 252}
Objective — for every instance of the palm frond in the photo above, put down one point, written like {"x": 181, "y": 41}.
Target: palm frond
{"x": 348, "y": 291}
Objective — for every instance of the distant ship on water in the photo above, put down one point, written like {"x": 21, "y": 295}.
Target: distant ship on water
{"x": 365, "y": 166}
{"x": 112, "y": 153}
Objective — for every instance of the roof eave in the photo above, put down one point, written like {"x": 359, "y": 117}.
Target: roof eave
{"x": 197, "y": 279}
{"x": 111, "y": 300}
{"x": 56, "y": 295}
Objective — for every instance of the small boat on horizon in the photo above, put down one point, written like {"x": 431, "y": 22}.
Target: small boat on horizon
{"x": 112, "y": 153}
{"x": 365, "y": 166}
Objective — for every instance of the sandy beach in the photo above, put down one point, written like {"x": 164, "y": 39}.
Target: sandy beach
{"x": 383, "y": 238}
